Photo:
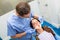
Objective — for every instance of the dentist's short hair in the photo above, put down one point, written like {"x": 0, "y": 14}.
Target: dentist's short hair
{"x": 23, "y": 8}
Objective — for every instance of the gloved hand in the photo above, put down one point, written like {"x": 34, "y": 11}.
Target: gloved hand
{"x": 30, "y": 31}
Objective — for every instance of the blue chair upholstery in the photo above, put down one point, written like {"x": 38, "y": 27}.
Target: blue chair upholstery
{"x": 13, "y": 39}
{"x": 0, "y": 38}
{"x": 56, "y": 30}
{"x": 51, "y": 26}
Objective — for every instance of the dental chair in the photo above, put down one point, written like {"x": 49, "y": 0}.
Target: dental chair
{"x": 0, "y": 38}
{"x": 56, "y": 30}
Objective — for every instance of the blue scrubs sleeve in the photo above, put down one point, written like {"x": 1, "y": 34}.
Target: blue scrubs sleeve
{"x": 11, "y": 31}
{"x": 32, "y": 14}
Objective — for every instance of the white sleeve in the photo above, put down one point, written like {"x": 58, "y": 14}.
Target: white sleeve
{"x": 46, "y": 36}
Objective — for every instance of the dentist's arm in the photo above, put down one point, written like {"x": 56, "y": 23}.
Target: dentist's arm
{"x": 19, "y": 35}
{"x": 24, "y": 33}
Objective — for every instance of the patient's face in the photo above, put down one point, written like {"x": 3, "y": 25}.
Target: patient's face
{"x": 35, "y": 23}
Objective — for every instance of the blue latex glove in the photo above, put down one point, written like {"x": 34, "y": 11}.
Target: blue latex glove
{"x": 30, "y": 31}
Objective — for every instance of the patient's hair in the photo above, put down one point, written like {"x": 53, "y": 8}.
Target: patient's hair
{"x": 44, "y": 28}
{"x": 31, "y": 22}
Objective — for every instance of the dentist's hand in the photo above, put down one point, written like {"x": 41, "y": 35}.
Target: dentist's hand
{"x": 30, "y": 31}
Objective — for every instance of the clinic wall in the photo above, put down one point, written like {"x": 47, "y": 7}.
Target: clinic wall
{"x": 8, "y": 5}
{"x": 50, "y": 10}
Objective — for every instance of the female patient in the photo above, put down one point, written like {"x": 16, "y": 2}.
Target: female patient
{"x": 44, "y": 33}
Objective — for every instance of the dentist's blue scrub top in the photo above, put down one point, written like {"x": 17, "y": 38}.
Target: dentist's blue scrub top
{"x": 18, "y": 25}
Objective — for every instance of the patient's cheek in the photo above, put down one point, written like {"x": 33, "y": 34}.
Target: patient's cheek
{"x": 37, "y": 27}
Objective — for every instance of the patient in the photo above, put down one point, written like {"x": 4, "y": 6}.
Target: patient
{"x": 44, "y": 33}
